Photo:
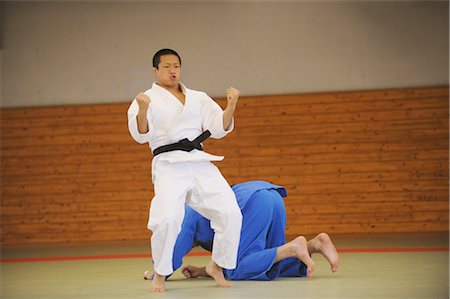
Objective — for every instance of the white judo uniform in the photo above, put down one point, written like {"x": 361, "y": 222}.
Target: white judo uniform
{"x": 181, "y": 177}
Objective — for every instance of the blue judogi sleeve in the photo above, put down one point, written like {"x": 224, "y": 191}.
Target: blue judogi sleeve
{"x": 195, "y": 228}
{"x": 186, "y": 238}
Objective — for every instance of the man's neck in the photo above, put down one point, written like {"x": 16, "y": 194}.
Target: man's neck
{"x": 172, "y": 89}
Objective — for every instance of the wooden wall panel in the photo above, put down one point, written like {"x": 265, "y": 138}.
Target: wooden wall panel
{"x": 353, "y": 162}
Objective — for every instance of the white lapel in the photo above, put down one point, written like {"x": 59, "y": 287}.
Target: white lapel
{"x": 168, "y": 97}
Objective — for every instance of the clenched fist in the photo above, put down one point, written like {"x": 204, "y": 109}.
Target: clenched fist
{"x": 143, "y": 101}
{"x": 232, "y": 96}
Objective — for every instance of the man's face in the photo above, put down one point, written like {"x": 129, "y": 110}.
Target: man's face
{"x": 168, "y": 72}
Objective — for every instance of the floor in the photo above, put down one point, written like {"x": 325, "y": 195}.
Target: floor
{"x": 387, "y": 266}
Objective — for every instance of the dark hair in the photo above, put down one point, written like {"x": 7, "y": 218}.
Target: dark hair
{"x": 157, "y": 56}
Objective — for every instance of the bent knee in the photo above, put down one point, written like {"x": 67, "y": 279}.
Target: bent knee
{"x": 227, "y": 220}
{"x": 234, "y": 216}
{"x": 168, "y": 225}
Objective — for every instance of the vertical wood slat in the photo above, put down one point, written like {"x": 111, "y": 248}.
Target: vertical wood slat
{"x": 353, "y": 162}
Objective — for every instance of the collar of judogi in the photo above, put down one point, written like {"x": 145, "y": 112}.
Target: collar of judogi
{"x": 157, "y": 86}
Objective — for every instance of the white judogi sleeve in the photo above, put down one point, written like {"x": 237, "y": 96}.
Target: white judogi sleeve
{"x": 213, "y": 118}
{"x": 133, "y": 111}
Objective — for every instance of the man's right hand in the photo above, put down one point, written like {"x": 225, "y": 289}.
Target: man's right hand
{"x": 194, "y": 272}
{"x": 143, "y": 101}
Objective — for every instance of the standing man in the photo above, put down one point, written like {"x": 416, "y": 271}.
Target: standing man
{"x": 174, "y": 120}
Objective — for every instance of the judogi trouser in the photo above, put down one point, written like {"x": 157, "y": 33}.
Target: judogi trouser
{"x": 202, "y": 187}
{"x": 263, "y": 230}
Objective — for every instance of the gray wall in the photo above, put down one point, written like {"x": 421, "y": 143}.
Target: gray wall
{"x": 94, "y": 52}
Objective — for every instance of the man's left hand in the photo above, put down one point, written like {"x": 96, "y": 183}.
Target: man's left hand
{"x": 232, "y": 96}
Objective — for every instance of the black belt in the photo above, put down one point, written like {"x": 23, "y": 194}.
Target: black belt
{"x": 184, "y": 144}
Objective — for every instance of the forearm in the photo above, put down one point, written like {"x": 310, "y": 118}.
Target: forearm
{"x": 142, "y": 122}
{"x": 228, "y": 115}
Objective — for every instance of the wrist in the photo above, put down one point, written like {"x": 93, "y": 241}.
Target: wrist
{"x": 142, "y": 111}
{"x": 231, "y": 106}
{"x": 203, "y": 272}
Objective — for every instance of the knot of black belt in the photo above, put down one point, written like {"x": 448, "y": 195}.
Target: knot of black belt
{"x": 184, "y": 144}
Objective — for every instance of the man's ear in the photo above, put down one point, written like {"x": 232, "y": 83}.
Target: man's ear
{"x": 155, "y": 72}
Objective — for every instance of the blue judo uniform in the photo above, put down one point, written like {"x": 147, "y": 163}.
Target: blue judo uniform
{"x": 263, "y": 230}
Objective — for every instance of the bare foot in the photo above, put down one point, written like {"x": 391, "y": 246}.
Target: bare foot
{"x": 300, "y": 247}
{"x": 322, "y": 244}
{"x": 216, "y": 272}
{"x": 158, "y": 284}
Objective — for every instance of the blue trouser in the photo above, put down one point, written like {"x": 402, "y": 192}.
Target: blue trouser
{"x": 263, "y": 227}
{"x": 263, "y": 230}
